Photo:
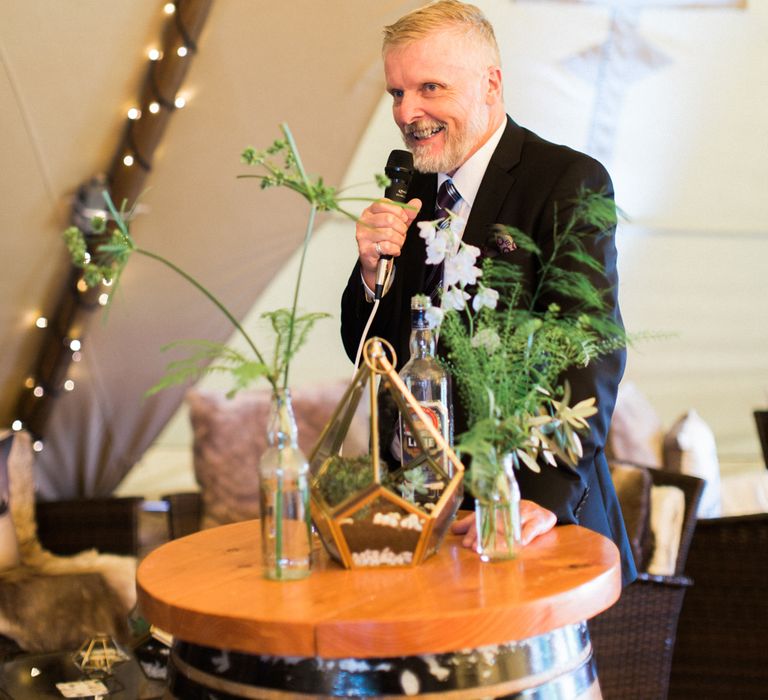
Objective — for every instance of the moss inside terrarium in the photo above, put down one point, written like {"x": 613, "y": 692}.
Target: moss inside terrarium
{"x": 340, "y": 477}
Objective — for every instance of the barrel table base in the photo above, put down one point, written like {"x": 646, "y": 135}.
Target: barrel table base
{"x": 557, "y": 665}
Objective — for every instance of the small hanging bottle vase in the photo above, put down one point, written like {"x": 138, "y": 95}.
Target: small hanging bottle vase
{"x": 497, "y": 516}
{"x": 286, "y": 530}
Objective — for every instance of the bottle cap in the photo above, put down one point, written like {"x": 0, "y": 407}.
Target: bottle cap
{"x": 420, "y": 303}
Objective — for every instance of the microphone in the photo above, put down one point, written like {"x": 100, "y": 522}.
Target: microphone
{"x": 399, "y": 169}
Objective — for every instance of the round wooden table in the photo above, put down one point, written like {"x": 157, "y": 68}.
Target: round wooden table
{"x": 451, "y": 627}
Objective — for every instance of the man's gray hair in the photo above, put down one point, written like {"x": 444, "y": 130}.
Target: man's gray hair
{"x": 442, "y": 15}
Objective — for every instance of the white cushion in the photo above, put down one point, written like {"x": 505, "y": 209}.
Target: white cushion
{"x": 9, "y": 545}
{"x": 744, "y": 494}
{"x": 667, "y": 513}
{"x": 689, "y": 448}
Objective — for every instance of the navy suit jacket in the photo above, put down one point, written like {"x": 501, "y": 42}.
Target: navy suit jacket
{"x": 526, "y": 179}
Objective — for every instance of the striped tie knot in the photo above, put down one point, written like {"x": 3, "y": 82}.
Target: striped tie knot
{"x": 447, "y": 198}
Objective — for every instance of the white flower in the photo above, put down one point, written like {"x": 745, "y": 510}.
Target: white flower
{"x": 457, "y": 226}
{"x": 439, "y": 242}
{"x": 460, "y": 269}
{"x": 427, "y": 230}
{"x": 486, "y": 338}
{"x": 454, "y": 298}
{"x": 485, "y": 297}
{"x": 434, "y": 316}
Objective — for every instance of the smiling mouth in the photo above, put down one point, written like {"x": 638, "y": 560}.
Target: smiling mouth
{"x": 421, "y": 133}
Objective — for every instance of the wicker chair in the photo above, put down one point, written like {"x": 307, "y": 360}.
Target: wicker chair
{"x": 633, "y": 641}
{"x": 722, "y": 637}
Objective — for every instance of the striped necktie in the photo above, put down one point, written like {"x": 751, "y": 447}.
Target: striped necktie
{"x": 447, "y": 199}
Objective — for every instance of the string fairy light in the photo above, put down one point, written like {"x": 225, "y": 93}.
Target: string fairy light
{"x": 145, "y": 121}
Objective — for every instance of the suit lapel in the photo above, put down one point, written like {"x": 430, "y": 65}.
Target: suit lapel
{"x": 497, "y": 182}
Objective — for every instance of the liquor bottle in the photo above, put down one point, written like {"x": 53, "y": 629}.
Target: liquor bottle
{"x": 430, "y": 385}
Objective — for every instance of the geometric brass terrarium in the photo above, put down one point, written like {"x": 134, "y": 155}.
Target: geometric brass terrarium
{"x": 369, "y": 513}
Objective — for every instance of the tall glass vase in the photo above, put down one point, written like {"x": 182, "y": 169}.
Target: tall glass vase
{"x": 497, "y": 516}
{"x": 286, "y": 530}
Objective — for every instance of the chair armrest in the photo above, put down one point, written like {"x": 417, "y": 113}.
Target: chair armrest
{"x": 185, "y": 512}
{"x": 634, "y": 639}
{"x": 106, "y": 524}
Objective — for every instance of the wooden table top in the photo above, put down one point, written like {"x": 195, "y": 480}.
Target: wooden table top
{"x": 207, "y": 589}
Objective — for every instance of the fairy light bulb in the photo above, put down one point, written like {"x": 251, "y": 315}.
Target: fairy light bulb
{"x": 82, "y": 285}
{"x": 154, "y": 107}
{"x": 69, "y": 385}
{"x": 169, "y": 8}
{"x": 29, "y": 382}
{"x": 106, "y": 282}
{"x": 181, "y": 51}
{"x": 180, "y": 102}
{"x": 134, "y": 113}
{"x": 103, "y": 299}
{"x": 38, "y": 392}
{"x": 128, "y": 160}
{"x": 154, "y": 54}
{"x": 17, "y": 425}
{"x": 75, "y": 345}
{"x": 41, "y": 322}
{"x": 37, "y": 445}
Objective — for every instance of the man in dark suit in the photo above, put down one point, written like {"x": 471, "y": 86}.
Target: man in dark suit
{"x": 442, "y": 68}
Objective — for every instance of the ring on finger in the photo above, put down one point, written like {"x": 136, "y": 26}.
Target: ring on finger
{"x": 378, "y": 249}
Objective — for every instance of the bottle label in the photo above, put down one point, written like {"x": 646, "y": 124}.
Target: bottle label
{"x": 438, "y": 415}
{"x": 419, "y": 320}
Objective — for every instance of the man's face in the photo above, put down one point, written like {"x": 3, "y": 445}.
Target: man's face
{"x": 446, "y": 99}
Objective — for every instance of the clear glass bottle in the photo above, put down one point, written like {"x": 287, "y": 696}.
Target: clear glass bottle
{"x": 430, "y": 385}
{"x": 286, "y": 528}
{"x": 497, "y": 514}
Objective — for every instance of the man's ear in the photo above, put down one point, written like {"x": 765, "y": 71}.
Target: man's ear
{"x": 495, "y": 91}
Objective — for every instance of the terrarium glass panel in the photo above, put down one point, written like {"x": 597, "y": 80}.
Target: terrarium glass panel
{"x": 421, "y": 482}
{"x": 382, "y": 532}
{"x": 340, "y": 479}
{"x": 443, "y": 515}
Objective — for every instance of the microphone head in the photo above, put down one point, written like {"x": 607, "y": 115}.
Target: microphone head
{"x": 399, "y": 165}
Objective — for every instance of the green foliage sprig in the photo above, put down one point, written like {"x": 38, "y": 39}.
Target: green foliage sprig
{"x": 290, "y": 329}
{"x": 507, "y": 356}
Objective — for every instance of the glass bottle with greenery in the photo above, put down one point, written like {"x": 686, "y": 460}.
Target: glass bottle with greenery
{"x": 285, "y": 490}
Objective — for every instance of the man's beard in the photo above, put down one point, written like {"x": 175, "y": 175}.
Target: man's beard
{"x": 457, "y": 145}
